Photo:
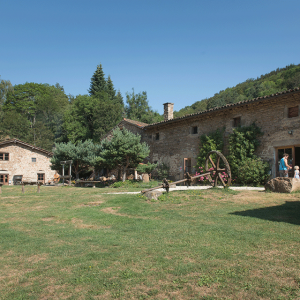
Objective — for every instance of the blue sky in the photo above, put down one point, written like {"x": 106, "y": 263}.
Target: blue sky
{"x": 176, "y": 51}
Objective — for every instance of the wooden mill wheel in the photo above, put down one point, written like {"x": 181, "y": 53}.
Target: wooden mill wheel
{"x": 216, "y": 173}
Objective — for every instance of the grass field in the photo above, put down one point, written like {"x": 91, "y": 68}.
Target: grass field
{"x": 80, "y": 243}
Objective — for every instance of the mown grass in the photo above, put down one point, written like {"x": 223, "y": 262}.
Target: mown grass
{"x": 79, "y": 243}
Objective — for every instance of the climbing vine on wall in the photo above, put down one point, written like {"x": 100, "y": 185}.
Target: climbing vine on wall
{"x": 246, "y": 167}
{"x": 209, "y": 142}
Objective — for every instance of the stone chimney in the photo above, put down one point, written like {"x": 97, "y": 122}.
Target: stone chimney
{"x": 168, "y": 111}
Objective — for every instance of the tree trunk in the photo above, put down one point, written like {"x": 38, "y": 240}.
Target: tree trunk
{"x": 76, "y": 170}
{"x": 124, "y": 174}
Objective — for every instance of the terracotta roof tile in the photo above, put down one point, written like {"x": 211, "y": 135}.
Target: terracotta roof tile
{"x": 140, "y": 124}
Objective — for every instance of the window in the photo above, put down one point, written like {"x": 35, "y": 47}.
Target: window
{"x": 4, "y": 179}
{"x": 194, "y": 130}
{"x": 4, "y": 156}
{"x": 237, "y": 122}
{"x": 33, "y": 159}
{"x": 157, "y": 136}
{"x": 41, "y": 177}
{"x": 293, "y": 112}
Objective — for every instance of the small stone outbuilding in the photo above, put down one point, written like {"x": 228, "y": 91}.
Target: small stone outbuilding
{"x": 20, "y": 161}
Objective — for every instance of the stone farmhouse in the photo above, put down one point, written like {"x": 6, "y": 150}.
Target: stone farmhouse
{"x": 175, "y": 141}
{"x": 20, "y": 161}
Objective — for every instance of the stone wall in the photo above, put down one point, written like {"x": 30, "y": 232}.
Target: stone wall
{"x": 177, "y": 139}
{"x": 20, "y": 163}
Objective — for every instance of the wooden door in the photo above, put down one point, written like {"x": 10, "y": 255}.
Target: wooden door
{"x": 187, "y": 165}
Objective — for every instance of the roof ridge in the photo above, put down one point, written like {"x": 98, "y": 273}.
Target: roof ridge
{"x": 14, "y": 140}
{"x": 139, "y": 123}
{"x": 226, "y": 106}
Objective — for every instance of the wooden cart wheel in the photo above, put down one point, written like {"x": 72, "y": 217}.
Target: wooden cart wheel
{"x": 215, "y": 171}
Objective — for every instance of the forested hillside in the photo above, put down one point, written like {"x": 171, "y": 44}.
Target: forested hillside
{"x": 273, "y": 82}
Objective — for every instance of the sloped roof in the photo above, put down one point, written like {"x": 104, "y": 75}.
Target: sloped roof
{"x": 16, "y": 141}
{"x": 132, "y": 122}
{"x": 259, "y": 99}
{"x": 137, "y": 123}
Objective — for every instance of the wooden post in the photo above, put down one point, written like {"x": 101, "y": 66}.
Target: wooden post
{"x": 0, "y": 188}
{"x": 70, "y": 166}
{"x": 23, "y": 188}
{"x": 38, "y": 189}
{"x": 63, "y": 173}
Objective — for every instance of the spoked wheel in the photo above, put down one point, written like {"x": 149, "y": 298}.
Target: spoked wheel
{"x": 215, "y": 171}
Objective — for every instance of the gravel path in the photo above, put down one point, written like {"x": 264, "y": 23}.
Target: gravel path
{"x": 184, "y": 188}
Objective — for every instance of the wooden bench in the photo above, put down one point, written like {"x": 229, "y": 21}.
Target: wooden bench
{"x": 83, "y": 182}
{"x": 38, "y": 183}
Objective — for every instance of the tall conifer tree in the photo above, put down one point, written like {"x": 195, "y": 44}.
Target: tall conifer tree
{"x": 110, "y": 88}
{"x": 98, "y": 82}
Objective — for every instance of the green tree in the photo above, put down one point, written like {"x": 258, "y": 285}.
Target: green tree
{"x": 39, "y": 103}
{"x": 98, "y": 82}
{"x": 41, "y": 136}
{"x": 124, "y": 150}
{"x": 138, "y": 109}
{"x": 5, "y": 88}
{"x": 82, "y": 154}
{"x": 146, "y": 168}
{"x": 110, "y": 88}
{"x": 14, "y": 125}
{"x": 90, "y": 117}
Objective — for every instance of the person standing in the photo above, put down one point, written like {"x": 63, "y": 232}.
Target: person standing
{"x": 296, "y": 174}
{"x": 283, "y": 166}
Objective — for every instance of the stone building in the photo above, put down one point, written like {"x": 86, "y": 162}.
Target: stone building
{"x": 22, "y": 161}
{"x": 176, "y": 141}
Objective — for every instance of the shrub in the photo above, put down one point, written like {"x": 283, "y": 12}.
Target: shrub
{"x": 146, "y": 168}
{"x": 245, "y": 166}
{"x": 126, "y": 183}
{"x": 253, "y": 171}
{"x": 161, "y": 171}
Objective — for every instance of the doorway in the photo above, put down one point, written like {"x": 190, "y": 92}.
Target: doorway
{"x": 187, "y": 165}
{"x": 293, "y": 160}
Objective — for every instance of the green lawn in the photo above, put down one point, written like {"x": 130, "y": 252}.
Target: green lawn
{"x": 80, "y": 243}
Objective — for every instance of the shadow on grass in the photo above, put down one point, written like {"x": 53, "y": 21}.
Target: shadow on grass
{"x": 288, "y": 213}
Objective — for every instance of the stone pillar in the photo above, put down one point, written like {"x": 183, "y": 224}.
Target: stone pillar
{"x": 168, "y": 111}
